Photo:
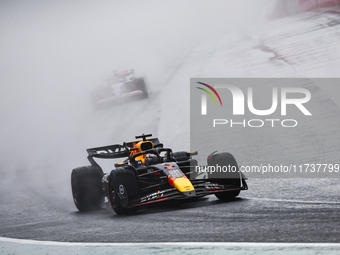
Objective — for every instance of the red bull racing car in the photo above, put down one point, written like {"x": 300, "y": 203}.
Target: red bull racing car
{"x": 121, "y": 88}
{"x": 150, "y": 173}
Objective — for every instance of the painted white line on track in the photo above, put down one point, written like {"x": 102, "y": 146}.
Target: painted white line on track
{"x": 184, "y": 244}
{"x": 294, "y": 201}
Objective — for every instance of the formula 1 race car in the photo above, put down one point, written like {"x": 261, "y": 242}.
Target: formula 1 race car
{"x": 149, "y": 174}
{"x": 121, "y": 88}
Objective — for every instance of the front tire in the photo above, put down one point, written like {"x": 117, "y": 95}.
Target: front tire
{"x": 123, "y": 188}
{"x": 233, "y": 178}
{"x": 228, "y": 195}
{"x": 181, "y": 155}
{"x": 86, "y": 188}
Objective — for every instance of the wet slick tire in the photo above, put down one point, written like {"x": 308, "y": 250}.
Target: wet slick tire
{"x": 233, "y": 178}
{"x": 123, "y": 188}
{"x": 140, "y": 84}
{"x": 86, "y": 188}
{"x": 228, "y": 195}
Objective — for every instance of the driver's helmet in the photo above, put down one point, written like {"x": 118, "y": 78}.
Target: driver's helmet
{"x": 142, "y": 146}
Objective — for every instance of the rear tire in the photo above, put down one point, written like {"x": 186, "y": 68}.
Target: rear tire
{"x": 233, "y": 178}
{"x": 86, "y": 188}
{"x": 140, "y": 84}
{"x": 123, "y": 188}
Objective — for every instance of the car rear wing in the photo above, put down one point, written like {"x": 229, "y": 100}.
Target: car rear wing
{"x": 116, "y": 150}
{"x": 108, "y": 152}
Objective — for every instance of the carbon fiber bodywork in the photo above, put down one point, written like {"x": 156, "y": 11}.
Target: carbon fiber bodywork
{"x": 202, "y": 188}
{"x": 162, "y": 176}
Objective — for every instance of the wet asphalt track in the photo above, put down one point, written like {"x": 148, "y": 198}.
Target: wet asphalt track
{"x": 250, "y": 218}
{"x": 39, "y": 207}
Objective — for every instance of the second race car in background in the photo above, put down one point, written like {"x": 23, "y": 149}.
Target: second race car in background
{"x": 121, "y": 88}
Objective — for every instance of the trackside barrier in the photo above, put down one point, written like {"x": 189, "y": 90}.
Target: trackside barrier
{"x": 289, "y": 7}
{"x": 309, "y": 5}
